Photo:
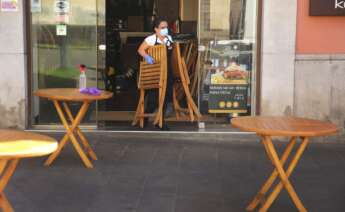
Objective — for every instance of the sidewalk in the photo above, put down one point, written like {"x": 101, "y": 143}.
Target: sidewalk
{"x": 167, "y": 173}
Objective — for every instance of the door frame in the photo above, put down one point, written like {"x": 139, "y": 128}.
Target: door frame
{"x": 29, "y": 124}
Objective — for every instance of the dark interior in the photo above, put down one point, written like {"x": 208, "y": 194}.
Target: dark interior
{"x": 133, "y": 18}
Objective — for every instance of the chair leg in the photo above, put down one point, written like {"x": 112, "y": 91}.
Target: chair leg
{"x": 159, "y": 115}
{"x": 176, "y": 104}
{"x": 142, "y": 107}
{"x": 189, "y": 97}
{"x": 191, "y": 112}
{"x": 137, "y": 112}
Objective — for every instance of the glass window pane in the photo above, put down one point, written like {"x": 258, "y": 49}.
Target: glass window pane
{"x": 62, "y": 38}
{"x": 227, "y": 43}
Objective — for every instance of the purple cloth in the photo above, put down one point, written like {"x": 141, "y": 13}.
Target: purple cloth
{"x": 91, "y": 91}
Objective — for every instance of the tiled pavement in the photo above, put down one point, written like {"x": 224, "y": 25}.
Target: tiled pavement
{"x": 143, "y": 174}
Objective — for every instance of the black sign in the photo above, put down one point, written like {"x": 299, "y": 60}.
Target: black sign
{"x": 228, "y": 98}
{"x": 327, "y": 8}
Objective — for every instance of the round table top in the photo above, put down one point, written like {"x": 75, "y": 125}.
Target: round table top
{"x": 70, "y": 94}
{"x": 284, "y": 126}
{"x": 20, "y": 144}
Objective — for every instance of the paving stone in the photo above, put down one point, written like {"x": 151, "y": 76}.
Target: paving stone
{"x": 169, "y": 174}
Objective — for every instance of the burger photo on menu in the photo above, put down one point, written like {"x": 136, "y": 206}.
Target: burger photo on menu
{"x": 233, "y": 74}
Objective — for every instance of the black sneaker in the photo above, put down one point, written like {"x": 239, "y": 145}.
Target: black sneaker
{"x": 163, "y": 128}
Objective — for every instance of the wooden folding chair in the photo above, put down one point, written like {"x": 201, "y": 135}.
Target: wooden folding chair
{"x": 191, "y": 61}
{"x": 152, "y": 77}
{"x": 181, "y": 85}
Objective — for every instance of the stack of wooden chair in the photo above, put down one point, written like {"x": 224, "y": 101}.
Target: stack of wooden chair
{"x": 152, "y": 77}
{"x": 191, "y": 56}
{"x": 181, "y": 87}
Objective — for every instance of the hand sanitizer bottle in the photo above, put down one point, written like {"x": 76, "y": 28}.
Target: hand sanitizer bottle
{"x": 82, "y": 77}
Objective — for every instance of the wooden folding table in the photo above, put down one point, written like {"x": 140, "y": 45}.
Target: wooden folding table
{"x": 15, "y": 145}
{"x": 292, "y": 127}
{"x": 61, "y": 96}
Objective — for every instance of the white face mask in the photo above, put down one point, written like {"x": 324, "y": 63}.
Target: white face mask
{"x": 164, "y": 32}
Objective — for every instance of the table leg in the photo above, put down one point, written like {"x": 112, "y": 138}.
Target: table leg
{"x": 79, "y": 133}
{"x": 264, "y": 189}
{"x": 70, "y": 134}
{"x": 283, "y": 175}
{"x": 5, "y": 204}
{"x": 7, "y": 168}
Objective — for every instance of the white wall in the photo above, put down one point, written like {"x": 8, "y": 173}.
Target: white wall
{"x": 278, "y": 56}
{"x": 12, "y": 66}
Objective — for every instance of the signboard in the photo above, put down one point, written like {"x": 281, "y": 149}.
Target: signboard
{"x": 9, "y": 5}
{"x": 227, "y": 83}
{"x": 327, "y": 8}
{"x": 36, "y": 6}
{"x": 228, "y": 98}
{"x": 62, "y": 19}
{"x": 61, "y": 30}
{"x": 61, "y": 6}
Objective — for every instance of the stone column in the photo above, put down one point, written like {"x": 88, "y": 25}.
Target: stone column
{"x": 278, "y": 57}
{"x": 13, "y": 69}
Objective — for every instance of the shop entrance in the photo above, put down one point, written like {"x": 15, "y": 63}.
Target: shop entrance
{"x": 218, "y": 39}
{"x": 127, "y": 25}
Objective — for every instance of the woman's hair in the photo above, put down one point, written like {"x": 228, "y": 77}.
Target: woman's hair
{"x": 157, "y": 22}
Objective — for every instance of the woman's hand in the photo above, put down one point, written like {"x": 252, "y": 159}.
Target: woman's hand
{"x": 149, "y": 59}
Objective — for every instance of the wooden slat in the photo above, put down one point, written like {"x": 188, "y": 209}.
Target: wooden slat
{"x": 149, "y": 81}
{"x": 151, "y": 71}
{"x": 150, "y": 78}
{"x": 146, "y": 74}
{"x": 149, "y": 86}
{"x": 150, "y": 66}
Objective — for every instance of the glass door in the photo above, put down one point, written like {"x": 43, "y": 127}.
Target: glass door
{"x": 64, "y": 34}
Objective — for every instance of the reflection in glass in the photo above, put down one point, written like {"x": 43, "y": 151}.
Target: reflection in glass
{"x": 61, "y": 40}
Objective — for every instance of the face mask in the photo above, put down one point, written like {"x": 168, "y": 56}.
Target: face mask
{"x": 164, "y": 32}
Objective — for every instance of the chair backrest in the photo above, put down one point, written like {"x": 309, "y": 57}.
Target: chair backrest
{"x": 150, "y": 75}
{"x": 158, "y": 52}
{"x": 153, "y": 76}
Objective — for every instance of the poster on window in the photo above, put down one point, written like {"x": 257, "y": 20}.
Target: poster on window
{"x": 229, "y": 78}
{"x": 228, "y": 92}
{"x": 61, "y": 30}
{"x": 36, "y": 6}
{"x": 9, "y": 5}
{"x": 61, "y": 6}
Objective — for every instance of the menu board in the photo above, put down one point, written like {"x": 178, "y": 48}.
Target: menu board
{"x": 228, "y": 92}
{"x": 227, "y": 83}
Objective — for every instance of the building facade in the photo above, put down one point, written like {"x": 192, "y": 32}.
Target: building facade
{"x": 300, "y": 63}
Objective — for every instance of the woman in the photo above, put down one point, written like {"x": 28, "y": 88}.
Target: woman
{"x": 160, "y": 36}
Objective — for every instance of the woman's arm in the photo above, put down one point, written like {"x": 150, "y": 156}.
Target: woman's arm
{"x": 142, "y": 49}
